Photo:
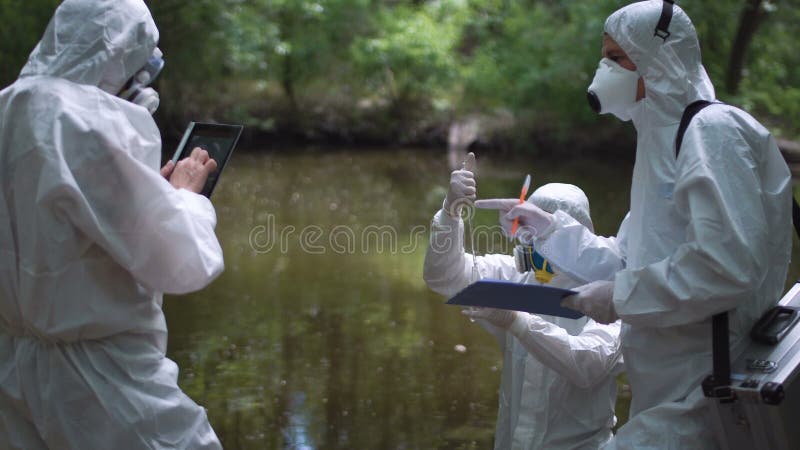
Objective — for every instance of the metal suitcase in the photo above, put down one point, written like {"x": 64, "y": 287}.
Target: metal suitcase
{"x": 753, "y": 402}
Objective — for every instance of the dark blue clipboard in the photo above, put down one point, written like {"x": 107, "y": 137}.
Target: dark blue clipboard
{"x": 532, "y": 298}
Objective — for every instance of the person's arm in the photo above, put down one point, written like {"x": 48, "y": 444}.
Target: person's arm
{"x": 572, "y": 248}
{"x": 576, "y": 251}
{"x": 448, "y": 268}
{"x": 163, "y": 236}
{"x": 585, "y": 360}
{"x": 724, "y": 258}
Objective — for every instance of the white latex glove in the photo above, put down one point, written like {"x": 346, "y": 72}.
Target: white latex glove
{"x": 148, "y": 98}
{"x": 595, "y": 300}
{"x": 501, "y": 318}
{"x": 462, "y": 189}
{"x": 532, "y": 219}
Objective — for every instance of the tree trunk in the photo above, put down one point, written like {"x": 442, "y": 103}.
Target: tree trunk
{"x": 461, "y": 135}
{"x": 751, "y": 17}
{"x": 791, "y": 153}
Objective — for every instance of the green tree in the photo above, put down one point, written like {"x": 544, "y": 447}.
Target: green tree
{"x": 409, "y": 61}
{"x": 24, "y": 23}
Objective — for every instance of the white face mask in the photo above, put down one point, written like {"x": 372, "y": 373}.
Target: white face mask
{"x": 613, "y": 89}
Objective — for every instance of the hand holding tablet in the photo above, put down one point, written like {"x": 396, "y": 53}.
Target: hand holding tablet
{"x": 193, "y": 166}
{"x": 191, "y": 173}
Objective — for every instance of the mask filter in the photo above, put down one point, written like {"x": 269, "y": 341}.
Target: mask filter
{"x": 527, "y": 260}
{"x": 136, "y": 90}
{"x": 613, "y": 89}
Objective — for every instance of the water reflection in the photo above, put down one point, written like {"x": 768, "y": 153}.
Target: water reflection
{"x": 331, "y": 349}
{"x": 295, "y": 434}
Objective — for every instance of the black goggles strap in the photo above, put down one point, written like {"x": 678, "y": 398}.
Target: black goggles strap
{"x": 662, "y": 29}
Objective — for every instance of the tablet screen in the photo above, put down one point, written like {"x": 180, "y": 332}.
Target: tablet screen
{"x": 218, "y": 140}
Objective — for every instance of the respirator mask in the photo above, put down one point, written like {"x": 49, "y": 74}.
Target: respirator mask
{"x": 527, "y": 259}
{"x": 613, "y": 90}
{"x": 137, "y": 89}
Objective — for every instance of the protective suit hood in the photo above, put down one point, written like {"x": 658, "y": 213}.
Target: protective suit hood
{"x": 569, "y": 198}
{"x": 672, "y": 69}
{"x": 95, "y": 42}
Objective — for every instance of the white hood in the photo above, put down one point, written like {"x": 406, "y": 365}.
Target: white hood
{"x": 95, "y": 42}
{"x": 673, "y": 72}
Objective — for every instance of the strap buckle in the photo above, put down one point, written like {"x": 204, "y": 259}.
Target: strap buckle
{"x": 662, "y": 28}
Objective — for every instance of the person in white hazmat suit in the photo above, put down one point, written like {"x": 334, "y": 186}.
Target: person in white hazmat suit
{"x": 708, "y": 231}
{"x": 92, "y": 235}
{"x": 558, "y": 387}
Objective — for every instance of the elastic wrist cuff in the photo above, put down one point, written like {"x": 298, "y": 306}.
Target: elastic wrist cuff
{"x": 445, "y": 209}
{"x": 198, "y": 205}
{"x": 443, "y": 219}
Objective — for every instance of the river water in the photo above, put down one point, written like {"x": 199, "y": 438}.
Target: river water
{"x": 321, "y": 333}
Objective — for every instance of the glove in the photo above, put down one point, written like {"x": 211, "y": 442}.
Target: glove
{"x": 532, "y": 219}
{"x": 462, "y": 188}
{"x": 147, "y": 98}
{"x": 501, "y": 318}
{"x": 595, "y": 300}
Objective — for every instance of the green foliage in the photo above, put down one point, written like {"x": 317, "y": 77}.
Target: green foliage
{"x": 536, "y": 59}
{"x": 24, "y": 23}
{"x": 716, "y": 35}
{"x": 411, "y": 56}
{"x": 389, "y": 70}
{"x": 771, "y": 84}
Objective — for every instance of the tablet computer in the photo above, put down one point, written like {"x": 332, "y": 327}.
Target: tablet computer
{"x": 217, "y": 139}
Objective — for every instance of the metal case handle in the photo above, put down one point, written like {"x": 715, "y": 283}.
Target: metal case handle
{"x": 774, "y": 324}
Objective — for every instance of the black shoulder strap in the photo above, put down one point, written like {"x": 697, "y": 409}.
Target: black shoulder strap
{"x": 687, "y": 116}
{"x": 662, "y": 27}
{"x": 796, "y": 215}
{"x": 717, "y": 385}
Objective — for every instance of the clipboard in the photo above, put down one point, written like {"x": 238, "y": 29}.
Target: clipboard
{"x": 531, "y": 298}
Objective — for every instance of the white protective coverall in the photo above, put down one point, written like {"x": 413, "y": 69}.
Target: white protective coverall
{"x": 707, "y": 232}
{"x": 558, "y": 388}
{"x": 92, "y": 235}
